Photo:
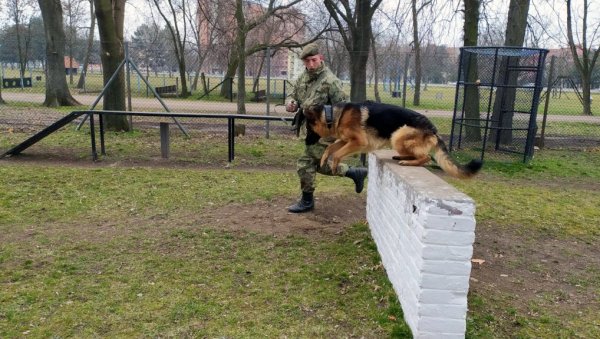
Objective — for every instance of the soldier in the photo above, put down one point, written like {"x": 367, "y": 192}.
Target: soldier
{"x": 317, "y": 85}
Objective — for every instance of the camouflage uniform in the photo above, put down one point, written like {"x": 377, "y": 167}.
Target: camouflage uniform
{"x": 318, "y": 87}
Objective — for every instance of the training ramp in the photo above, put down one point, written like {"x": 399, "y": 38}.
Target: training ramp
{"x": 424, "y": 229}
{"x": 42, "y": 134}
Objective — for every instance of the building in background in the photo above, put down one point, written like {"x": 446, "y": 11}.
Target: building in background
{"x": 71, "y": 65}
{"x": 217, "y": 27}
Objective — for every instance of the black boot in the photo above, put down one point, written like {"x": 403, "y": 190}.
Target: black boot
{"x": 358, "y": 174}
{"x": 305, "y": 204}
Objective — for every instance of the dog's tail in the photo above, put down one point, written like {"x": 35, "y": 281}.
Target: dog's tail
{"x": 451, "y": 167}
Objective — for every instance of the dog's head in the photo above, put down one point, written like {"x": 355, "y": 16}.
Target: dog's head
{"x": 315, "y": 120}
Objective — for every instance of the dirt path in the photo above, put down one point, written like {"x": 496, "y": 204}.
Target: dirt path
{"x": 179, "y": 105}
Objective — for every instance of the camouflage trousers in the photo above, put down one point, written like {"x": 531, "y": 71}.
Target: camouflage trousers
{"x": 307, "y": 166}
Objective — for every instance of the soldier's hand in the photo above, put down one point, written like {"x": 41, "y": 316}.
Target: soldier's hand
{"x": 291, "y": 106}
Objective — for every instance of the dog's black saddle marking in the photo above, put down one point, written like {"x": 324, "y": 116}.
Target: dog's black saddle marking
{"x": 328, "y": 115}
{"x": 386, "y": 119}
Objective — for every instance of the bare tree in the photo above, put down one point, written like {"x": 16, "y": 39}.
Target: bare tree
{"x": 471, "y": 100}
{"x": 582, "y": 51}
{"x": 417, "y": 48}
{"x": 335, "y": 50}
{"x": 111, "y": 17}
{"x": 354, "y": 23}
{"x": 57, "y": 91}
{"x": 2, "y": 102}
{"x": 146, "y": 46}
{"x": 244, "y": 26}
{"x": 502, "y": 116}
{"x": 387, "y": 33}
{"x": 254, "y": 18}
{"x": 73, "y": 14}
{"x": 174, "y": 14}
{"x": 90, "y": 45}
{"x": 203, "y": 38}
{"x": 18, "y": 11}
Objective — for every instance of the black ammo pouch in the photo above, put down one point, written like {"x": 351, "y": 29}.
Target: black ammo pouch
{"x": 297, "y": 122}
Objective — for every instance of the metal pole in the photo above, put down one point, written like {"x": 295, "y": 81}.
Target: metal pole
{"x": 231, "y": 90}
{"x": 101, "y": 123}
{"x": 93, "y": 137}
{"x": 230, "y": 138}
{"x": 406, "y": 63}
{"x": 547, "y": 102}
{"x": 112, "y": 78}
{"x": 164, "y": 105}
{"x": 267, "y": 126}
{"x": 164, "y": 140}
{"x": 128, "y": 72}
{"x": 460, "y": 56}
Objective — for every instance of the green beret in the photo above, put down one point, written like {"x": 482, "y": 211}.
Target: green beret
{"x": 309, "y": 50}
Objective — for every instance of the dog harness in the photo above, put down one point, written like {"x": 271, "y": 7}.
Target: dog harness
{"x": 328, "y": 115}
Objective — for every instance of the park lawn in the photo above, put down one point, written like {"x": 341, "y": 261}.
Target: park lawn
{"x": 433, "y": 96}
{"x": 115, "y": 250}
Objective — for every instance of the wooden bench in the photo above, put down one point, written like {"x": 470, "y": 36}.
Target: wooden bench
{"x": 260, "y": 95}
{"x": 16, "y": 82}
{"x": 170, "y": 89}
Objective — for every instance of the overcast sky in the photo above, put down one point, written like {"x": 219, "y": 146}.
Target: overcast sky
{"x": 551, "y": 13}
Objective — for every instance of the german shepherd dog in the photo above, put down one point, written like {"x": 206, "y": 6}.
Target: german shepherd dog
{"x": 370, "y": 126}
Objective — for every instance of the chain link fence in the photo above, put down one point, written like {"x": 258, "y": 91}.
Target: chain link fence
{"x": 206, "y": 87}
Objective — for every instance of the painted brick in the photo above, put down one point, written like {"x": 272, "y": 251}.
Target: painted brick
{"x": 445, "y": 282}
{"x": 429, "y": 296}
{"x": 454, "y": 238}
{"x": 447, "y": 267}
{"x": 454, "y": 223}
{"x": 442, "y": 252}
{"x": 424, "y": 231}
{"x": 428, "y": 335}
{"x": 443, "y": 311}
{"x": 442, "y": 325}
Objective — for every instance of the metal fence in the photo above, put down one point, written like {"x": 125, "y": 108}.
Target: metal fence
{"x": 22, "y": 116}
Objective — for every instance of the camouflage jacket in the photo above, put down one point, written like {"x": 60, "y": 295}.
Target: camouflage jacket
{"x": 319, "y": 87}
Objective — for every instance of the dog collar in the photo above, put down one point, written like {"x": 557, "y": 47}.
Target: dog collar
{"x": 328, "y": 115}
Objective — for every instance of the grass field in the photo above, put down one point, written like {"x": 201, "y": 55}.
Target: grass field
{"x": 433, "y": 97}
{"x": 135, "y": 245}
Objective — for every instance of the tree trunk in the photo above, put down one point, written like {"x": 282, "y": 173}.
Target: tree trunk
{"x": 471, "y": 95}
{"x": 57, "y": 91}
{"x": 256, "y": 82}
{"x": 375, "y": 71}
{"x": 585, "y": 62}
{"x": 502, "y": 117}
{"x": 90, "y": 45}
{"x": 185, "y": 92}
{"x": 241, "y": 49}
{"x": 417, "y": 49}
{"x": 232, "y": 66}
{"x": 2, "y": 102}
{"x": 110, "y": 15}
{"x": 586, "y": 94}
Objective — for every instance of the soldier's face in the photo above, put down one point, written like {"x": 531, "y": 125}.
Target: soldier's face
{"x": 312, "y": 62}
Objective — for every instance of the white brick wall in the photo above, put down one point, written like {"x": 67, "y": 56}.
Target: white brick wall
{"x": 424, "y": 230}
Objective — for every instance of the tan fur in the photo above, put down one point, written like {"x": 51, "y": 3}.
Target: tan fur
{"x": 413, "y": 145}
